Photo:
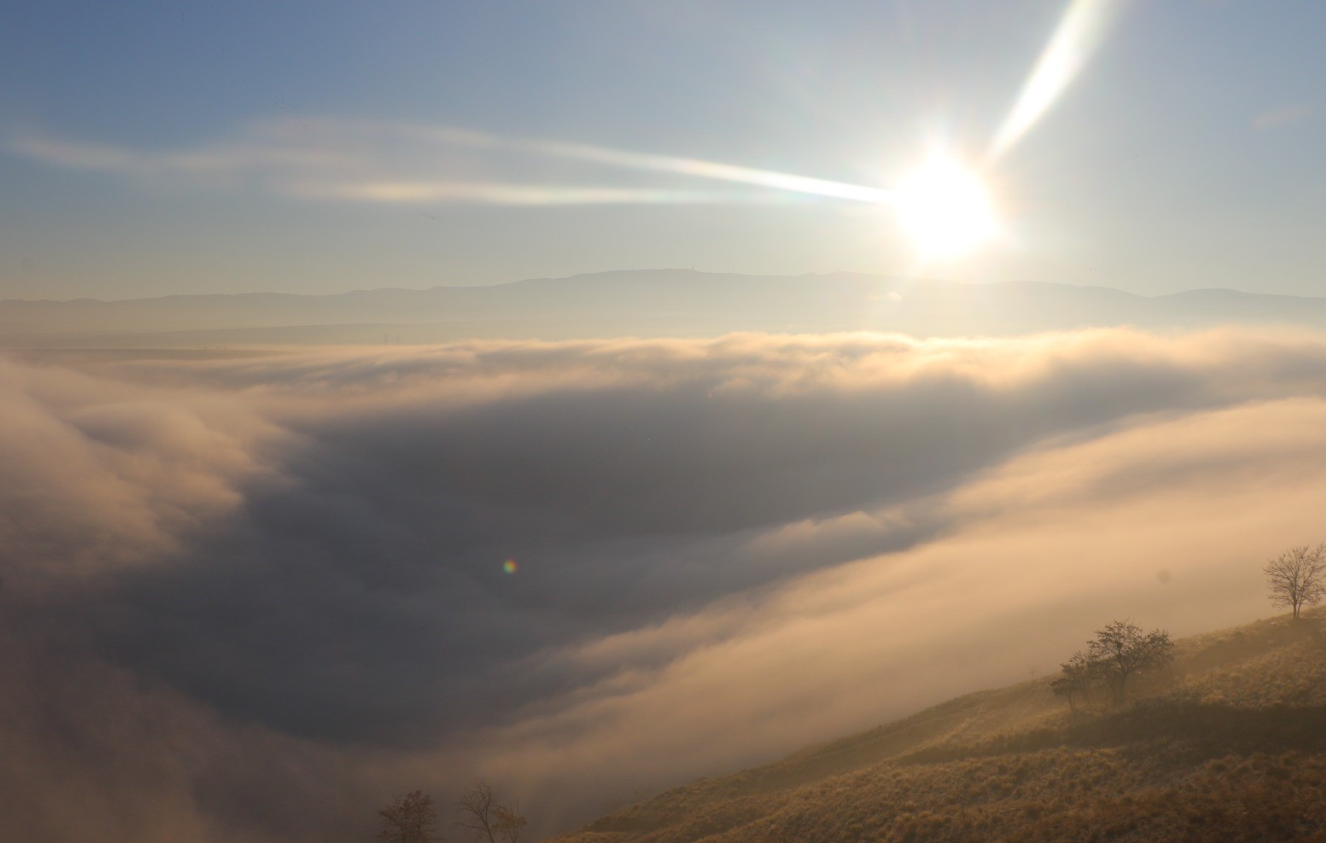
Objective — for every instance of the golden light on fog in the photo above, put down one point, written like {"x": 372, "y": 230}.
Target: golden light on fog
{"x": 945, "y": 208}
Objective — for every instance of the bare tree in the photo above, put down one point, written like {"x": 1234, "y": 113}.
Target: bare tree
{"x": 490, "y": 821}
{"x": 1079, "y": 675}
{"x": 510, "y": 823}
{"x": 410, "y": 819}
{"x": 1122, "y": 649}
{"x": 1297, "y": 578}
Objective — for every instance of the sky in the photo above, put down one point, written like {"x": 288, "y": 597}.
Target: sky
{"x": 311, "y": 148}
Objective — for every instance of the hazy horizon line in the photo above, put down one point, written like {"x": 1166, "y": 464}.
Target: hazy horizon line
{"x": 833, "y": 273}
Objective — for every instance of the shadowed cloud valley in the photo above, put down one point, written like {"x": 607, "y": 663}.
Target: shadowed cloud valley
{"x": 234, "y": 580}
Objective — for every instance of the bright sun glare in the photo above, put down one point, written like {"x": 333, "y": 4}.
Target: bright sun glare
{"x": 945, "y": 208}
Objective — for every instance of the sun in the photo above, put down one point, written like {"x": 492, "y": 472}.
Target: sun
{"x": 945, "y": 208}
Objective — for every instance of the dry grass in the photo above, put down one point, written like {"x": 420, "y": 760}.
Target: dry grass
{"x": 1228, "y": 745}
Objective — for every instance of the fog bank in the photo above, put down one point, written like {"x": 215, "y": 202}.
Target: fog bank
{"x": 251, "y": 596}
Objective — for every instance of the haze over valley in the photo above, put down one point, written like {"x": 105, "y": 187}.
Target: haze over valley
{"x": 288, "y": 567}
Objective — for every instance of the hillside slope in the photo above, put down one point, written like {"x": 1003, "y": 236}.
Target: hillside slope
{"x": 1229, "y": 744}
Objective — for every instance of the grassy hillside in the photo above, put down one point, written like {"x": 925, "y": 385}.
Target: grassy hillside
{"x": 1228, "y": 744}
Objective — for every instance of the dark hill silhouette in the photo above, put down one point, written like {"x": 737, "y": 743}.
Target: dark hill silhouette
{"x": 633, "y": 303}
{"x": 1229, "y": 744}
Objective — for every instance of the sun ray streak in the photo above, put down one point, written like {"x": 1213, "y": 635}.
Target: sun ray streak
{"x": 1080, "y": 32}
{"x": 503, "y": 193}
{"x": 661, "y": 163}
{"x": 328, "y": 158}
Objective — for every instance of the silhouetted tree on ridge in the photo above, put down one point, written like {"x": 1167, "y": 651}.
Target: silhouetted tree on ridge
{"x": 1118, "y": 651}
{"x": 410, "y": 819}
{"x": 1297, "y": 578}
{"x": 491, "y": 822}
{"x": 1122, "y": 650}
{"x": 1080, "y": 674}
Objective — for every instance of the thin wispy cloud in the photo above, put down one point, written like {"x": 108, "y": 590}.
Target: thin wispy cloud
{"x": 1281, "y": 117}
{"x": 680, "y": 166}
{"x": 390, "y": 163}
{"x": 255, "y": 154}
{"x": 498, "y": 193}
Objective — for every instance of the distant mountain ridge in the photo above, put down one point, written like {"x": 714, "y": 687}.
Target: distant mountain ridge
{"x": 662, "y": 302}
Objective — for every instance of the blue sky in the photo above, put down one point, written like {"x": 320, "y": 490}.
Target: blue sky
{"x": 148, "y": 149}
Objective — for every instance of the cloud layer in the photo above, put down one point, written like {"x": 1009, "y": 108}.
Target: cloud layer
{"x": 238, "y": 582}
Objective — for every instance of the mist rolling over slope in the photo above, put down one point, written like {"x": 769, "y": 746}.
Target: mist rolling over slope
{"x": 1224, "y": 745}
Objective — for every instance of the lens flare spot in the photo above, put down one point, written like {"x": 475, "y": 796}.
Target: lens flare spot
{"x": 945, "y": 208}
{"x": 510, "y": 566}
